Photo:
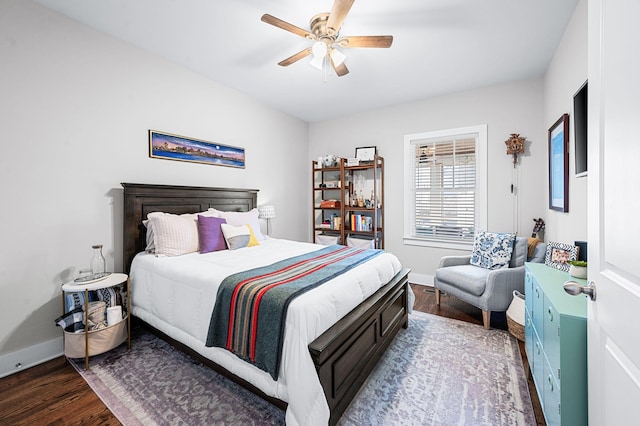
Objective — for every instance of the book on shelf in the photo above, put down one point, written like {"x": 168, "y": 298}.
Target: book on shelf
{"x": 360, "y": 222}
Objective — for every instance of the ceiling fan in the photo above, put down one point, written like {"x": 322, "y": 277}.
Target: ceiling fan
{"x": 325, "y": 29}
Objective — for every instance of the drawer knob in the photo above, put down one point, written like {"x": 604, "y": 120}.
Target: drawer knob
{"x": 574, "y": 289}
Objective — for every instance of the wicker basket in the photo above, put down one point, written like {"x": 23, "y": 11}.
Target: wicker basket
{"x": 517, "y": 330}
{"x": 515, "y": 316}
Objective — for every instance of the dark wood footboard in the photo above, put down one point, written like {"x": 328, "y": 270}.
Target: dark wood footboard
{"x": 345, "y": 354}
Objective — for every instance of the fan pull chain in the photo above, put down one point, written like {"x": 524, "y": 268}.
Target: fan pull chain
{"x": 325, "y": 68}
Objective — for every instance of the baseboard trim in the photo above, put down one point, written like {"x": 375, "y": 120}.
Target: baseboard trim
{"x": 421, "y": 279}
{"x": 22, "y": 359}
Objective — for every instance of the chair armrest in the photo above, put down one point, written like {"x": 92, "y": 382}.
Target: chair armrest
{"x": 454, "y": 260}
{"x": 500, "y": 286}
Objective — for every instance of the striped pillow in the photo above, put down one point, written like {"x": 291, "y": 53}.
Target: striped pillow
{"x": 174, "y": 235}
{"x": 238, "y": 236}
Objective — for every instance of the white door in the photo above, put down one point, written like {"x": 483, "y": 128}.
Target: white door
{"x": 614, "y": 212}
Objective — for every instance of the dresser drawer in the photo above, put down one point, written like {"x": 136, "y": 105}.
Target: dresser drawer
{"x": 528, "y": 337}
{"x": 537, "y": 313}
{"x": 528, "y": 290}
{"x": 537, "y": 367}
{"x": 551, "y": 333}
{"x": 551, "y": 396}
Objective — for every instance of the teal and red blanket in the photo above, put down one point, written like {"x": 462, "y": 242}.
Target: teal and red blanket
{"x": 251, "y": 306}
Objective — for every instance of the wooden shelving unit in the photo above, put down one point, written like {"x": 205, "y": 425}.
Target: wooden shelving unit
{"x": 348, "y": 203}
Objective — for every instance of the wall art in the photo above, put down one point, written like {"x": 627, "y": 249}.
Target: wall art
{"x": 181, "y": 148}
{"x": 559, "y": 165}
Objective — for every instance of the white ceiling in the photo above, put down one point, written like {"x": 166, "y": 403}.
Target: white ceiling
{"x": 439, "y": 46}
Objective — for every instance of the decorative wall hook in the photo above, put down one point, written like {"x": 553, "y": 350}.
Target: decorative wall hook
{"x": 515, "y": 146}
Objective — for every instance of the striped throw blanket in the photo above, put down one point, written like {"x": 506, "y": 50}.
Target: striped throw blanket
{"x": 251, "y": 306}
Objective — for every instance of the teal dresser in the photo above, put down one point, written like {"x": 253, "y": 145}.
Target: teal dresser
{"x": 556, "y": 344}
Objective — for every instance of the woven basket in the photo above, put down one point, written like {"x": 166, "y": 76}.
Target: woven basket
{"x": 517, "y": 330}
{"x": 515, "y": 316}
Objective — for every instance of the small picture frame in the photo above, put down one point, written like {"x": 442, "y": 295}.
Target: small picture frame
{"x": 559, "y": 254}
{"x": 366, "y": 154}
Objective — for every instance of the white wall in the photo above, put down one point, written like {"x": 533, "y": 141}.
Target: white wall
{"x": 525, "y": 107}
{"x": 565, "y": 75}
{"x": 75, "y": 108}
{"x": 508, "y": 108}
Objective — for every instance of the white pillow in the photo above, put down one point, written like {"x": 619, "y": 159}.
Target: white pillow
{"x": 244, "y": 218}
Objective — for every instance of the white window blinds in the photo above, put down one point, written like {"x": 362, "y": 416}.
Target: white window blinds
{"x": 445, "y": 188}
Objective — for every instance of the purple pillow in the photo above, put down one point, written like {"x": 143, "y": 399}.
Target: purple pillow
{"x": 210, "y": 234}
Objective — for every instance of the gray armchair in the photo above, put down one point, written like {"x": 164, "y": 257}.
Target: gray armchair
{"x": 487, "y": 289}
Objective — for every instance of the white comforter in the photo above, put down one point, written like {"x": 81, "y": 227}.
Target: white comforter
{"x": 176, "y": 295}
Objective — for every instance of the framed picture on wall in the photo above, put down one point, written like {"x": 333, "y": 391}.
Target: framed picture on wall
{"x": 559, "y": 165}
{"x": 181, "y": 148}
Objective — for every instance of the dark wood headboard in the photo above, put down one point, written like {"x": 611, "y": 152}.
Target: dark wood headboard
{"x": 141, "y": 199}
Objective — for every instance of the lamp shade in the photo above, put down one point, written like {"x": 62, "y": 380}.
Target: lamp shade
{"x": 266, "y": 212}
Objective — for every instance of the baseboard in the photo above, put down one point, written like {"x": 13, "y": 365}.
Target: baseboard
{"x": 22, "y": 359}
{"x": 421, "y": 279}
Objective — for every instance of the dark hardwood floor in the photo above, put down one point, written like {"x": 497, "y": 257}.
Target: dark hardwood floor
{"x": 53, "y": 393}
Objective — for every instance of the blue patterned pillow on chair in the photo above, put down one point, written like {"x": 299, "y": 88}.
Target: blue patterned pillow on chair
{"x": 491, "y": 250}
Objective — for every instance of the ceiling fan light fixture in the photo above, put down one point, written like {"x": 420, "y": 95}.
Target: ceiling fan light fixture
{"x": 324, "y": 30}
{"x": 337, "y": 57}
{"x": 319, "y": 49}
{"x": 317, "y": 62}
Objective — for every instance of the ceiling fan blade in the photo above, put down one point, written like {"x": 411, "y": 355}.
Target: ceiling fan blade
{"x": 340, "y": 69}
{"x": 338, "y": 13}
{"x": 366, "y": 41}
{"x": 296, "y": 57}
{"x": 277, "y": 22}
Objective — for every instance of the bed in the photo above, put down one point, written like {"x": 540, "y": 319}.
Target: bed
{"x": 342, "y": 351}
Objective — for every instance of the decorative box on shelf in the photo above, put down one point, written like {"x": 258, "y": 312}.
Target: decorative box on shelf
{"x": 330, "y": 204}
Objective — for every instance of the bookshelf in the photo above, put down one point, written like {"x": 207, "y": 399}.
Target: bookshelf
{"x": 348, "y": 203}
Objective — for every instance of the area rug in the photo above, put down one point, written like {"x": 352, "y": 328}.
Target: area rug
{"x": 437, "y": 372}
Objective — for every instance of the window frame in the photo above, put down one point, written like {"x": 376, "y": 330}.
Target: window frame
{"x": 480, "y": 206}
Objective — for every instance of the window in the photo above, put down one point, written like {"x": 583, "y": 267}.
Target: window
{"x": 445, "y": 186}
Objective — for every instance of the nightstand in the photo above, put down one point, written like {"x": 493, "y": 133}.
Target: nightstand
{"x": 94, "y": 342}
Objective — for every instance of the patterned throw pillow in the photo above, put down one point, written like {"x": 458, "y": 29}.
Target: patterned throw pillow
{"x": 491, "y": 250}
{"x": 238, "y": 236}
